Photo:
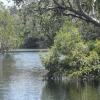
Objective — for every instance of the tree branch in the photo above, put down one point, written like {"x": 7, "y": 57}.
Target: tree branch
{"x": 79, "y": 12}
{"x": 73, "y": 15}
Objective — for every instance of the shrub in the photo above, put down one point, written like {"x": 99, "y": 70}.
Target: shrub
{"x": 71, "y": 55}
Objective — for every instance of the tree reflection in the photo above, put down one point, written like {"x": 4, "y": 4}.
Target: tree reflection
{"x": 7, "y": 65}
{"x": 70, "y": 91}
{"x": 54, "y": 91}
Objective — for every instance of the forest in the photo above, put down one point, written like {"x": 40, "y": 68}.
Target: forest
{"x": 70, "y": 29}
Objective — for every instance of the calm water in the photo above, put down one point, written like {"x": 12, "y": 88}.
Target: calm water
{"x": 21, "y": 79}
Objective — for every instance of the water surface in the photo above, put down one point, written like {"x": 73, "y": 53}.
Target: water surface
{"x": 21, "y": 79}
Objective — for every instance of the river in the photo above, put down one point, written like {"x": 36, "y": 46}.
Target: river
{"x": 21, "y": 79}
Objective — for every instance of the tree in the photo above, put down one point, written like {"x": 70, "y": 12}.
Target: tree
{"x": 39, "y": 29}
{"x": 72, "y": 56}
{"x": 87, "y": 10}
{"x": 8, "y": 38}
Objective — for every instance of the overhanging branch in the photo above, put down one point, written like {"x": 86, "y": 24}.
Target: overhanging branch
{"x": 80, "y": 13}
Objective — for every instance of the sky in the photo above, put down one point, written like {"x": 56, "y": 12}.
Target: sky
{"x": 7, "y": 2}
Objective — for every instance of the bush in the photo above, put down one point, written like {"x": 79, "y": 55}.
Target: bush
{"x": 72, "y": 56}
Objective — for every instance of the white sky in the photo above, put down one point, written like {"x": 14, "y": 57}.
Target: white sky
{"x": 7, "y": 2}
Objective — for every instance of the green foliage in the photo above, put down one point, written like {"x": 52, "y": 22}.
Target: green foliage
{"x": 8, "y": 37}
{"x": 97, "y": 46}
{"x": 41, "y": 19}
{"x": 38, "y": 26}
{"x": 72, "y": 55}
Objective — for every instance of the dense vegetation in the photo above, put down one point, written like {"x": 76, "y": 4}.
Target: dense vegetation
{"x": 72, "y": 55}
{"x": 70, "y": 28}
{"x": 8, "y": 37}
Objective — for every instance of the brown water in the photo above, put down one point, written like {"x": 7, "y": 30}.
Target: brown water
{"x": 21, "y": 79}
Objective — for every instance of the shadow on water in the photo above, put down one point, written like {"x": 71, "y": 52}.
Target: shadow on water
{"x": 7, "y": 65}
{"x": 54, "y": 90}
{"x": 6, "y": 62}
{"x": 18, "y": 81}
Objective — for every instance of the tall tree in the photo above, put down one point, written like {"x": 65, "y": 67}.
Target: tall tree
{"x": 8, "y": 38}
{"x": 87, "y": 10}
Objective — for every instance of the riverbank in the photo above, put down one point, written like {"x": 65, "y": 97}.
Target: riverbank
{"x": 28, "y": 50}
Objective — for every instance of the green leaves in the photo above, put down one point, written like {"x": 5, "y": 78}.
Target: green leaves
{"x": 8, "y": 36}
{"x": 71, "y": 55}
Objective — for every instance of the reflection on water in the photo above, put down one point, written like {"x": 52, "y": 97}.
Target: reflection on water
{"x": 70, "y": 91}
{"x": 19, "y": 81}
